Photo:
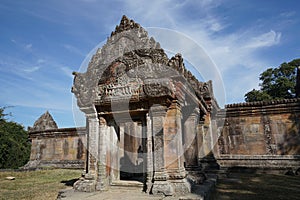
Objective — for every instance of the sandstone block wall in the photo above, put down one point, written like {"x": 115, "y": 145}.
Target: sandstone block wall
{"x": 259, "y": 134}
{"x": 59, "y": 148}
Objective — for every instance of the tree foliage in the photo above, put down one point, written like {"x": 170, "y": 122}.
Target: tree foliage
{"x": 276, "y": 83}
{"x": 14, "y": 144}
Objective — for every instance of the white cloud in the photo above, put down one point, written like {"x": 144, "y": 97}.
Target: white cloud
{"x": 264, "y": 40}
{"x": 41, "y": 61}
{"x": 233, "y": 52}
{"x": 288, "y": 14}
{"x": 28, "y": 46}
{"x": 230, "y": 50}
{"x": 31, "y": 69}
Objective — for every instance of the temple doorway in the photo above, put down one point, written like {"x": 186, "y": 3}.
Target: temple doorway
{"x": 132, "y": 150}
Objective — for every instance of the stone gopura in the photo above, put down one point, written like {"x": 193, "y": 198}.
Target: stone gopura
{"x": 149, "y": 119}
{"x": 145, "y": 115}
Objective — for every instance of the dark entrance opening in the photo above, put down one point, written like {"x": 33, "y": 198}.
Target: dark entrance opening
{"x": 132, "y": 151}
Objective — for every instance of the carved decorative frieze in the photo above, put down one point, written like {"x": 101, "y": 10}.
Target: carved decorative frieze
{"x": 157, "y": 89}
{"x": 122, "y": 87}
{"x": 125, "y": 62}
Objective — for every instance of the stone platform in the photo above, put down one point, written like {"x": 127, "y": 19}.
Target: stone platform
{"x": 132, "y": 190}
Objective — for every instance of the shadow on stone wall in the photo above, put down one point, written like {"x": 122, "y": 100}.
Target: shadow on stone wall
{"x": 291, "y": 140}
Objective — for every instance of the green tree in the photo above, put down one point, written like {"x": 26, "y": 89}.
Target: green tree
{"x": 276, "y": 83}
{"x": 14, "y": 144}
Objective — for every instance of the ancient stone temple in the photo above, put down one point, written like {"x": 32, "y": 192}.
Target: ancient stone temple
{"x": 146, "y": 115}
{"x": 149, "y": 120}
{"x": 53, "y": 147}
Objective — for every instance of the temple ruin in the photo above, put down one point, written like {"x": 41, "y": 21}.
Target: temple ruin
{"x": 149, "y": 119}
{"x": 143, "y": 111}
{"x": 56, "y": 147}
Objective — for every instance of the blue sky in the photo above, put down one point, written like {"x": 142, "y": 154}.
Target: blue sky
{"x": 42, "y": 42}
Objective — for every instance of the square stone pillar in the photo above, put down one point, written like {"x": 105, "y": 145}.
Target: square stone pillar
{"x": 173, "y": 149}
{"x": 102, "y": 148}
{"x": 191, "y": 141}
{"x": 205, "y": 131}
{"x": 93, "y": 134}
{"x": 160, "y": 183}
{"x": 88, "y": 182}
{"x": 149, "y": 155}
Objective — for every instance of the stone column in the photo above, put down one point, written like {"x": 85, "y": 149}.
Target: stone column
{"x": 102, "y": 179}
{"x": 207, "y": 139}
{"x": 190, "y": 140}
{"x": 121, "y": 146}
{"x": 88, "y": 182}
{"x": 149, "y": 154}
{"x": 200, "y": 142}
{"x": 93, "y": 133}
{"x": 160, "y": 184}
{"x": 173, "y": 149}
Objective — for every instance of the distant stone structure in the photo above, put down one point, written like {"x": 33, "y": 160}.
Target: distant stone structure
{"x": 149, "y": 119}
{"x": 45, "y": 122}
{"x": 54, "y": 147}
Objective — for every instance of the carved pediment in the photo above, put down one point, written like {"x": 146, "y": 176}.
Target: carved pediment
{"x": 44, "y": 122}
{"x": 126, "y": 63}
{"x": 125, "y": 39}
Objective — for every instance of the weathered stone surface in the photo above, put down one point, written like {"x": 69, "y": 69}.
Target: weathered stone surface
{"x": 45, "y": 122}
{"x": 260, "y": 134}
{"x": 150, "y": 119}
{"x": 163, "y": 187}
{"x": 58, "y": 148}
{"x": 143, "y": 97}
{"x": 85, "y": 185}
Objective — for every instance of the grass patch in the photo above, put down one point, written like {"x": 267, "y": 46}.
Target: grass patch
{"x": 42, "y": 185}
{"x": 258, "y": 186}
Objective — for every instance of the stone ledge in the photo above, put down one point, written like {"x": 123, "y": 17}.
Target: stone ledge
{"x": 62, "y": 164}
{"x": 60, "y": 132}
{"x": 258, "y": 157}
{"x": 260, "y": 107}
{"x": 269, "y": 162}
{"x": 262, "y": 103}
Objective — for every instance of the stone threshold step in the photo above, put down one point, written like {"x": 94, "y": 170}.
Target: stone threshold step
{"x": 127, "y": 184}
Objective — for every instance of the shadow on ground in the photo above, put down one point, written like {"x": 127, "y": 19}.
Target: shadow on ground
{"x": 69, "y": 182}
{"x": 258, "y": 186}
